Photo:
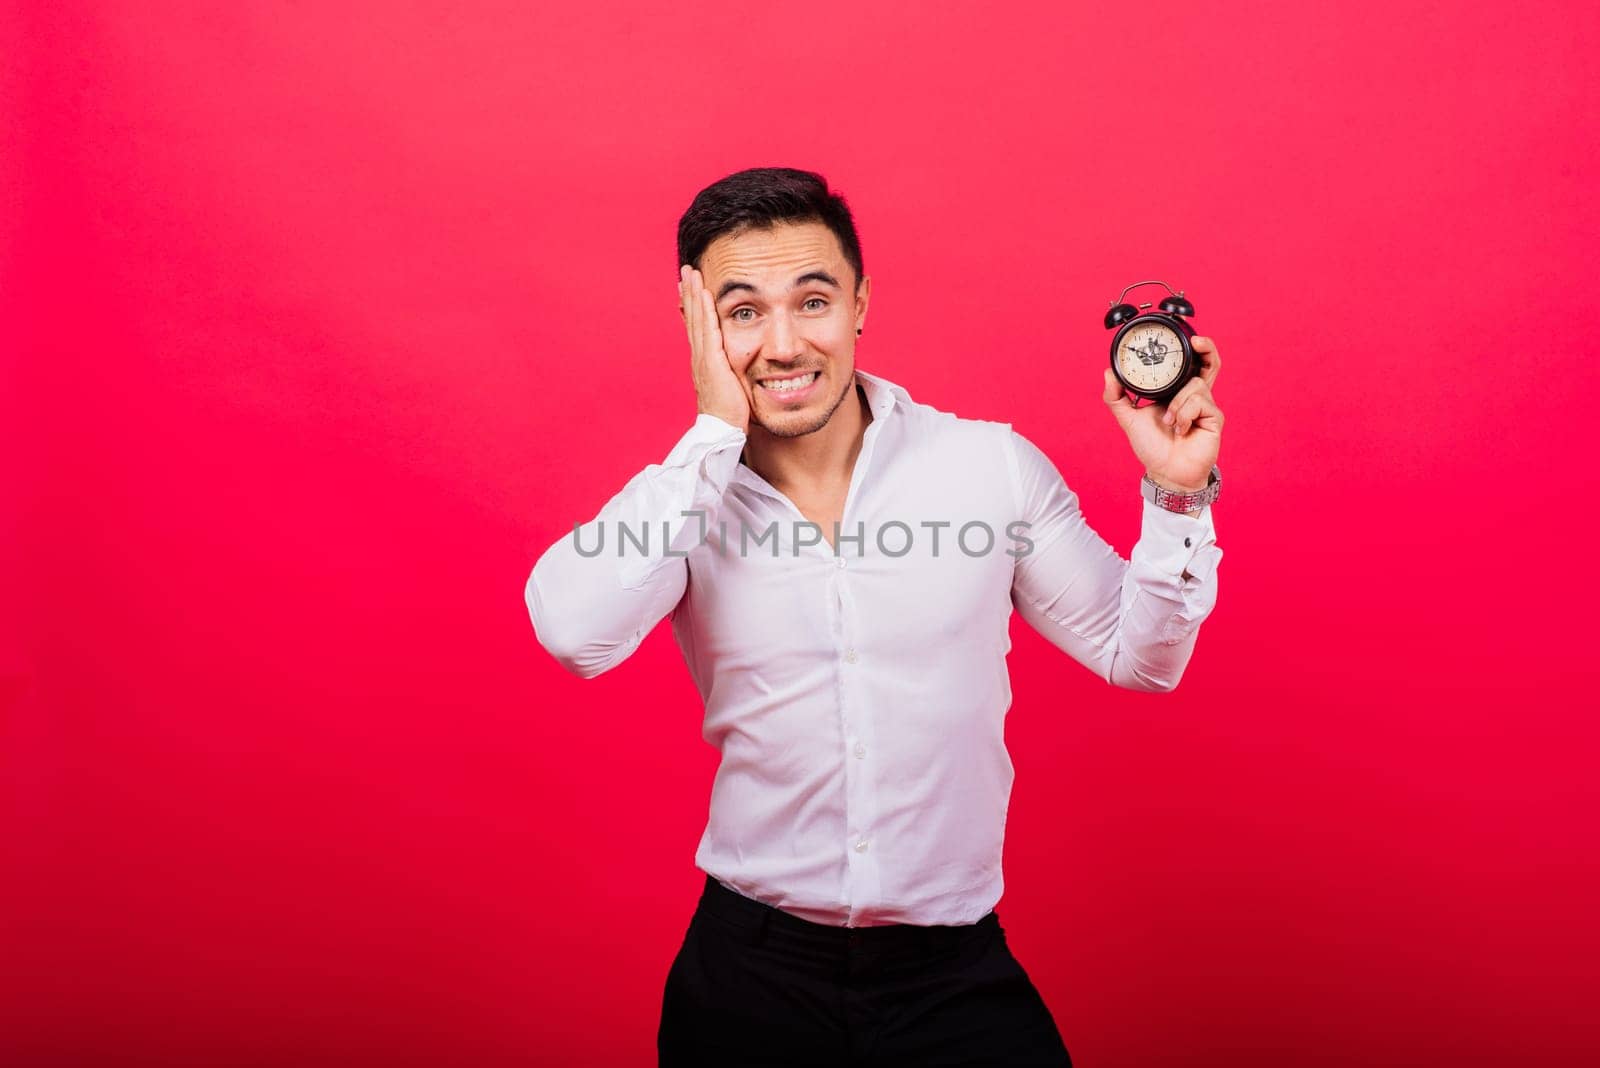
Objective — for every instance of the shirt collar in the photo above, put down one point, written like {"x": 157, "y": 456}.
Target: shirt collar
{"x": 882, "y": 394}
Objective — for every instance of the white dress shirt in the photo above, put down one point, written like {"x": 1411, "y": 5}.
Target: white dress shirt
{"x": 858, "y": 692}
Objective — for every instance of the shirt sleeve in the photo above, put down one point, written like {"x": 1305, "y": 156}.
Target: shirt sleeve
{"x": 1133, "y": 622}
{"x": 596, "y": 593}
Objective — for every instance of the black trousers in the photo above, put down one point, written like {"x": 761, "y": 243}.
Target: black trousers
{"x": 754, "y": 986}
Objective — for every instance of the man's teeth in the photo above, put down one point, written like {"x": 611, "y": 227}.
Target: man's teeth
{"x": 791, "y": 383}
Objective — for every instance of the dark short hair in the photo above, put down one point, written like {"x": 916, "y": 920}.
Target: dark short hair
{"x": 759, "y": 198}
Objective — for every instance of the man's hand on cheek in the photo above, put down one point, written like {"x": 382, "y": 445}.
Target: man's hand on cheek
{"x": 719, "y": 391}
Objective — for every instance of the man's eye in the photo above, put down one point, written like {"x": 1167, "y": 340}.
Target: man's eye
{"x": 818, "y": 301}
{"x": 738, "y": 314}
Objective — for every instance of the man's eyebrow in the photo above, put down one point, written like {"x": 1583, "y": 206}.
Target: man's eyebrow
{"x": 817, "y": 276}
{"x": 810, "y": 276}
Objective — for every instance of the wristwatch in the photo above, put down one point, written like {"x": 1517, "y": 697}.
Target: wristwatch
{"x": 1179, "y": 501}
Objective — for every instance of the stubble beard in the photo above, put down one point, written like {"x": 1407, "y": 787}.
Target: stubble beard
{"x": 800, "y": 430}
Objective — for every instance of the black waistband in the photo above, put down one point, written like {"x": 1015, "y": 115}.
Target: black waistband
{"x": 758, "y": 918}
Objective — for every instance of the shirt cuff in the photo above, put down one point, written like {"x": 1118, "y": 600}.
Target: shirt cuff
{"x": 719, "y": 460}
{"x": 1175, "y": 542}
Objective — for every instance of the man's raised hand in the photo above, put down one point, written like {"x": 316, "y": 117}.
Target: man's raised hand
{"x": 718, "y": 390}
{"x": 1177, "y": 442}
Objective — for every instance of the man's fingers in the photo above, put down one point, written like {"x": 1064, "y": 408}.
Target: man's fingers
{"x": 1190, "y": 388}
{"x": 1207, "y": 415}
{"x": 1119, "y": 400}
{"x": 697, "y": 293}
{"x": 710, "y": 339}
{"x": 712, "y": 329}
{"x": 1114, "y": 390}
{"x": 1210, "y": 358}
{"x": 1198, "y": 407}
{"x": 1179, "y": 412}
{"x": 690, "y": 305}
{"x": 1183, "y": 414}
{"x": 1114, "y": 394}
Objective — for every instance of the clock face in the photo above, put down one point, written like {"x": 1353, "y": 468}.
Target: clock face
{"x": 1150, "y": 356}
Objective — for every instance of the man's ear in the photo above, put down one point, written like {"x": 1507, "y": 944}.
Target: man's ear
{"x": 863, "y": 297}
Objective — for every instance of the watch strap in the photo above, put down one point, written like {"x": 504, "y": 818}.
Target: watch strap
{"x": 1180, "y": 500}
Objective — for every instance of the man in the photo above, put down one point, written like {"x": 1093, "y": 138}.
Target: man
{"x": 839, "y": 564}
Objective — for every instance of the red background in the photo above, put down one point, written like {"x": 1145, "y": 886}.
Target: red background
{"x": 322, "y": 321}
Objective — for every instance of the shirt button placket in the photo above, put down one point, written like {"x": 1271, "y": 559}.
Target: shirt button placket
{"x": 858, "y": 840}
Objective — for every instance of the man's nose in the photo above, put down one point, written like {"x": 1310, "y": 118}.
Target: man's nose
{"x": 784, "y": 341}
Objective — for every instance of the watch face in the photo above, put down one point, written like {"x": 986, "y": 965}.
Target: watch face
{"x": 1149, "y": 356}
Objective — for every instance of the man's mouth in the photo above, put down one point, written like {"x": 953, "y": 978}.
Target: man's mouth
{"x": 791, "y": 388}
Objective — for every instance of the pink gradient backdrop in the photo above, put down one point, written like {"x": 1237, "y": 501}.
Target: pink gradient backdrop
{"x": 321, "y": 321}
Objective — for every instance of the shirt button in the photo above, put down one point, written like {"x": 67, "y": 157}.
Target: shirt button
{"x": 861, "y": 750}
{"x": 841, "y": 561}
{"x": 861, "y": 846}
{"x": 850, "y": 656}
{"x": 1185, "y": 543}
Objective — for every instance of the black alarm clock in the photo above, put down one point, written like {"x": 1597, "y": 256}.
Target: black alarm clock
{"x": 1150, "y": 351}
